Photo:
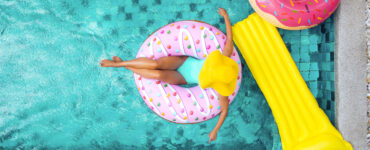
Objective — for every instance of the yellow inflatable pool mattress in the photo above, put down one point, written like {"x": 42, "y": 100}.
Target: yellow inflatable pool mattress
{"x": 302, "y": 123}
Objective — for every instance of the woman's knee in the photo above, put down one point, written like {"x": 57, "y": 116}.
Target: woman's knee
{"x": 161, "y": 75}
{"x": 156, "y": 64}
{"x": 158, "y": 75}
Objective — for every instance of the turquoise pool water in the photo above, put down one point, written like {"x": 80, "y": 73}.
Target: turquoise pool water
{"x": 54, "y": 94}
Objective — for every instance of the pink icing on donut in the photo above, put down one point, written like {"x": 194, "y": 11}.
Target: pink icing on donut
{"x": 172, "y": 102}
{"x": 296, "y": 13}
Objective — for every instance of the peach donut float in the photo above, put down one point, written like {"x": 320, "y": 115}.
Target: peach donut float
{"x": 294, "y": 14}
{"x": 176, "y": 103}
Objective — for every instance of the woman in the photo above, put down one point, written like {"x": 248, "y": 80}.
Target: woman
{"x": 217, "y": 71}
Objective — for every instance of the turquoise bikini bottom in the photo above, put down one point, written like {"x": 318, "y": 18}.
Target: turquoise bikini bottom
{"x": 190, "y": 70}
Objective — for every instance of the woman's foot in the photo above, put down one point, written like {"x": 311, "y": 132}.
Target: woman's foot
{"x": 117, "y": 59}
{"x": 108, "y": 63}
{"x": 111, "y": 63}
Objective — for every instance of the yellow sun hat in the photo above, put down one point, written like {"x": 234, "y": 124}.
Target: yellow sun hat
{"x": 220, "y": 73}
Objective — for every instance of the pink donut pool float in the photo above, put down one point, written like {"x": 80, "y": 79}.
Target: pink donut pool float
{"x": 172, "y": 102}
{"x": 294, "y": 14}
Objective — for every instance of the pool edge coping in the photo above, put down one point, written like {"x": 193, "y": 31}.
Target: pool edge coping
{"x": 350, "y": 73}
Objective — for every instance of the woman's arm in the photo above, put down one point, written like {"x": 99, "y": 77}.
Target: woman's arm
{"x": 224, "y": 103}
{"x": 228, "y": 49}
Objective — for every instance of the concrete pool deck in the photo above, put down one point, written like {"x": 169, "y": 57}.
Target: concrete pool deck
{"x": 350, "y": 75}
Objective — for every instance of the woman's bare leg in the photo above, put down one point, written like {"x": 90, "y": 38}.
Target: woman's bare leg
{"x": 164, "y": 63}
{"x": 169, "y": 76}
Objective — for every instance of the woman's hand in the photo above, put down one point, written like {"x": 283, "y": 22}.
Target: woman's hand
{"x": 224, "y": 103}
{"x": 212, "y": 136}
{"x": 222, "y": 12}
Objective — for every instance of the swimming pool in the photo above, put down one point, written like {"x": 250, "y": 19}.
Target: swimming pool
{"x": 54, "y": 94}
